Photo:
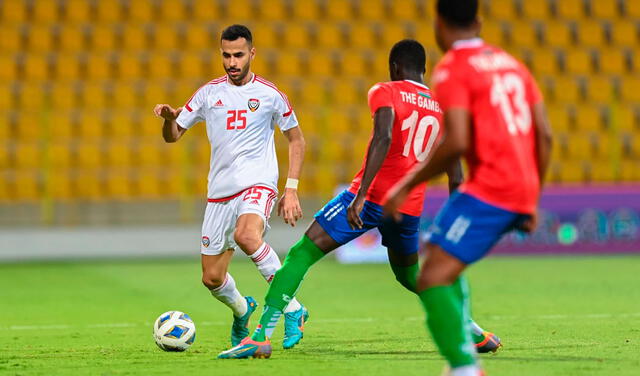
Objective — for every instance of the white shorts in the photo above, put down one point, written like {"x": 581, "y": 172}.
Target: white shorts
{"x": 221, "y": 216}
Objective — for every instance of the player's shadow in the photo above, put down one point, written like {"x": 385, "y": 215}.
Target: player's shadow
{"x": 517, "y": 351}
{"x": 346, "y": 348}
{"x": 547, "y": 358}
{"x": 428, "y": 354}
{"x": 414, "y": 354}
{"x": 350, "y": 341}
{"x": 507, "y": 354}
{"x": 434, "y": 355}
{"x": 361, "y": 341}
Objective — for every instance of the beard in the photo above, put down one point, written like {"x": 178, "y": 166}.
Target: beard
{"x": 237, "y": 74}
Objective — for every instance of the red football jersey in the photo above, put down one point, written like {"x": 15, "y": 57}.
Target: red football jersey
{"x": 416, "y": 128}
{"x": 498, "y": 91}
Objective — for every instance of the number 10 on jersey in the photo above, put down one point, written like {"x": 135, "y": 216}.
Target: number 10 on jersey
{"x": 428, "y": 127}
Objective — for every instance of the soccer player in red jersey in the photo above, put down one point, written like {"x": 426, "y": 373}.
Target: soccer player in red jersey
{"x": 494, "y": 117}
{"x": 406, "y": 121}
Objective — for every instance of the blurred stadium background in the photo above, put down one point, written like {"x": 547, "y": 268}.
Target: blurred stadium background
{"x": 79, "y": 145}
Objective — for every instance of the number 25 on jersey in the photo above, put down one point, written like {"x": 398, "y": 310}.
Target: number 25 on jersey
{"x": 236, "y": 119}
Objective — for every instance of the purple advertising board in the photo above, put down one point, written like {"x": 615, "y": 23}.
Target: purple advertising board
{"x": 573, "y": 219}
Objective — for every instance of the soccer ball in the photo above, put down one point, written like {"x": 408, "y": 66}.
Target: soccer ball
{"x": 174, "y": 331}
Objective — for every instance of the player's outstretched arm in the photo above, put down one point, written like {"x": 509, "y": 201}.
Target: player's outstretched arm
{"x": 289, "y": 205}
{"x": 378, "y": 149}
{"x": 455, "y": 142}
{"x": 171, "y": 131}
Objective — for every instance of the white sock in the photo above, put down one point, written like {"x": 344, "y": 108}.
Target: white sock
{"x": 228, "y": 294}
{"x": 268, "y": 263}
{"x": 476, "y": 329}
{"x": 470, "y": 370}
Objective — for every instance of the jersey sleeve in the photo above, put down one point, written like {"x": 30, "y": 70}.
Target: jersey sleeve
{"x": 284, "y": 116}
{"x": 379, "y": 96}
{"x": 450, "y": 88}
{"x": 193, "y": 110}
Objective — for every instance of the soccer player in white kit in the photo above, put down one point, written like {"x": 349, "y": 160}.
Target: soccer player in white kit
{"x": 241, "y": 111}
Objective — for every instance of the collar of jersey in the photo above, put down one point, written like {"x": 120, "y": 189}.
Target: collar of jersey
{"x": 418, "y": 84}
{"x": 252, "y": 80}
{"x": 467, "y": 43}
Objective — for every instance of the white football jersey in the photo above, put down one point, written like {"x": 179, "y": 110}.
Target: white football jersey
{"x": 240, "y": 123}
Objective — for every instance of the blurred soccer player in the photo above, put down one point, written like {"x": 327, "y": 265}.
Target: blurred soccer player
{"x": 494, "y": 117}
{"x": 406, "y": 122}
{"x": 241, "y": 111}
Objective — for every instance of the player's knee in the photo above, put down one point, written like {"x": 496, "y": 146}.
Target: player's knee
{"x": 424, "y": 282}
{"x": 213, "y": 279}
{"x": 434, "y": 273}
{"x": 440, "y": 268}
{"x": 247, "y": 240}
{"x": 435, "y": 277}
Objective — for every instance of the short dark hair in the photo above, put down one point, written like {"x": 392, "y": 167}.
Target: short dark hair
{"x": 410, "y": 54}
{"x": 234, "y": 32}
{"x": 459, "y": 13}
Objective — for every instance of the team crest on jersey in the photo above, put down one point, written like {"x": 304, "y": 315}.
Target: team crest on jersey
{"x": 253, "y": 104}
{"x": 205, "y": 241}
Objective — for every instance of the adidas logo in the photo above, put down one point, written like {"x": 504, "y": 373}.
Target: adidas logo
{"x": 254, "y": 202}
{"x": 219, "y": 103}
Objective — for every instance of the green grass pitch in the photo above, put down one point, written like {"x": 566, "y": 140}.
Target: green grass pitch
{"x": 556, "y": 316}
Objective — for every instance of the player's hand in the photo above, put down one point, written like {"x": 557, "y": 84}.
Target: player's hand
{"x": 395, "y": 199}
{"x": 289, "y": 207}
{"x": 353, "y": 212}
{"x": 165, "y": 111}
{"x": 529, "y": 225}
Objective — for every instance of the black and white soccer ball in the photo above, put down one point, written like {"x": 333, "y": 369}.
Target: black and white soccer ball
{"x": 174, "y": 331}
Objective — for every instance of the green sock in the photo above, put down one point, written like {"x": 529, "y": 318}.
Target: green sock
{"x": 285, "y": 284}
{"x": 448, "y": 322}
{"x": 462, "y": 290}
{"x": 407, "y": 275}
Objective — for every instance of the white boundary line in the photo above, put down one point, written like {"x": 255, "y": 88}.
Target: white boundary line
{"x": 335, "y": 320}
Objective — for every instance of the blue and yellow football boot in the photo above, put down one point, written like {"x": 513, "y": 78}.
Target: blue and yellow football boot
{"x": 294, "y": 327}
{"x": 240, "y": 326}
{"x": 248, "y": 348}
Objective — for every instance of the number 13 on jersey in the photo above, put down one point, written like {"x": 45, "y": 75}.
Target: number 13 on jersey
{"x": 508, "y": 94}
